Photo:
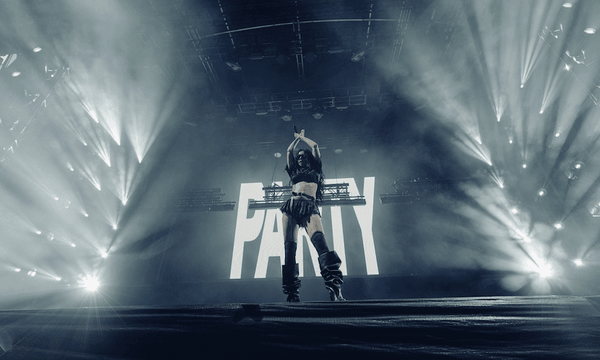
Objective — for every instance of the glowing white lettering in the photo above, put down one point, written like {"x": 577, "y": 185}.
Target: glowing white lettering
{"x": 248, "y": 229}
{"x": 271, "y": 243}
{"x": 364, "y": 214}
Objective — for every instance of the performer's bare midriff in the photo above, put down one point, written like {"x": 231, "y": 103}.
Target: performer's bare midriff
{"x": 303, "y": 189}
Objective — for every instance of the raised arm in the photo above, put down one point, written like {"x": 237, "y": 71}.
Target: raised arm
{"x": 290, "y": 150}
{"x": 313, "y": 145}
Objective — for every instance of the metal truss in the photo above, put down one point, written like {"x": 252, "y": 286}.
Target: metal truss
{"x": 200, "y": 200}
{"x": 333, "y": 195}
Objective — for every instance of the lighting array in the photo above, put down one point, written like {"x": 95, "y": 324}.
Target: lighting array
{"x": 8, "y": 62}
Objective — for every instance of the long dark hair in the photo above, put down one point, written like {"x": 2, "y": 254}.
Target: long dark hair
{"x": 315, "y": 165}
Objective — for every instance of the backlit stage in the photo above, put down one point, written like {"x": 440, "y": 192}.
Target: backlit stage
{"x": 544, "y": 327}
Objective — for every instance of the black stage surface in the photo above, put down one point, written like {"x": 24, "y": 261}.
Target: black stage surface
{"x": 546, "y": 327}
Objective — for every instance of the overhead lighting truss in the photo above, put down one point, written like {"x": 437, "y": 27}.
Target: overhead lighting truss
{"x": 201, "y": 200}
{"x": 418, "y": 190}
{"x": 333, "y": 195}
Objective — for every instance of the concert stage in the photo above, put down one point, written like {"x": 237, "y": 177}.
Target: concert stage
{"x": 545, "y": 327}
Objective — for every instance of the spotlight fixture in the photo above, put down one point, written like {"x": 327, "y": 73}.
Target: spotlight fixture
{"x": 558, "y": 225}
{"x": 358, "y": 56}
{"x": 573, "y": 171}
{"x": 542, "y": 192}
{"x": 233, "y": 66}
{"x": 590, "y": 31}
{"x": 577, "y": 165}
{"x": 286, "y": 117}
{"x": 578, "y": 262}
{"x": 318, "y": 113}
{"x": 277, "y": 155}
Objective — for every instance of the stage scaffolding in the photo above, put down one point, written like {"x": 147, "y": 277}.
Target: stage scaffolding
{"x": 333, "y": 195}
{"x": 201, "y": 200}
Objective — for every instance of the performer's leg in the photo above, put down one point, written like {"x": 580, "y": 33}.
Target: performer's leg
{"x": 329, "y": 261}
{"x": 289, "y": 270}
{"x": 314, "y": 229}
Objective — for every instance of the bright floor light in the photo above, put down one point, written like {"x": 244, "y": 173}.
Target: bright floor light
{"x": 90, "y": 284}
{"x": 544, "y": 271}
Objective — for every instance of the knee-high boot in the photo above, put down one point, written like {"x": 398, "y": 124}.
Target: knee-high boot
{"x": 291, "y": 283}
{"x": 329, "y": 263}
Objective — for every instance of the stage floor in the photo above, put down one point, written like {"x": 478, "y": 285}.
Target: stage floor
{"x": 547, "y": 327}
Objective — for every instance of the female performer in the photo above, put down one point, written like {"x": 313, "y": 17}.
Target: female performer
{"x": 302, "y": 210}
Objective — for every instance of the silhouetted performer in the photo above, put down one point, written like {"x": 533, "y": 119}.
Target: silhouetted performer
{"x": 302, "y": 210}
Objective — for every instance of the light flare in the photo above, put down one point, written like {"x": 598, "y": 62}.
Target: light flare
{"x": 89, "y": 283}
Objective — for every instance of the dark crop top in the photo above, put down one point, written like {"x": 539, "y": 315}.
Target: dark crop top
{"x": 298, "y": 174}
{"x": 308, "y": 175}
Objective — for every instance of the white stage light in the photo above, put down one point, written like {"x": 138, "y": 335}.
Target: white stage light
{"x": 544, "y": 271}
{"x": 590, "y": 31}
{"x": 558, "y": 225}
{"x": 542, "y": 192}
{"x": 37, "y": 49}
{"x": 104, "y": 254}
{"x": 90, "y": 284}
{"x": 578, "y": 262}
{"x": 17, "y": 270}
{"x": 524, "y": 166}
